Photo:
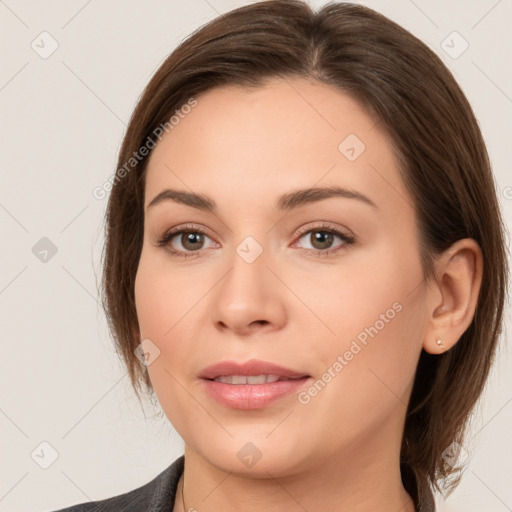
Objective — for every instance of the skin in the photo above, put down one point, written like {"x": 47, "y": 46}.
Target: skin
{"x": 291, "y": 306}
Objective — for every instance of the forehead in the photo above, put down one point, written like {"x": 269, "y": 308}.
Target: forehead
{"x": 251, "y": 143}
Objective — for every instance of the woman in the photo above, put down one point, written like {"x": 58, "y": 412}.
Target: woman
{"x": 305, "y": 264}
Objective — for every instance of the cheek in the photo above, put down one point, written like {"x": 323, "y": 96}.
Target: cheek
{"x": 163, "y": 299}
{"x": 367, "y": 299}
{"x": 155, "y": 302}
{"x": 371, "y": 334}
{"x": 169, "y": 308}
{"x": 365, "y": 380}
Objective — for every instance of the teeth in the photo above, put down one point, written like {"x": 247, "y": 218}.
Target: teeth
{"x": 248, "y": 379}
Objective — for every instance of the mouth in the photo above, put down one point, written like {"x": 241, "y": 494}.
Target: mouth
{"x": 239, "y": 373}
{"x": 238, "y": 380}
{"x": 251, "y": 385}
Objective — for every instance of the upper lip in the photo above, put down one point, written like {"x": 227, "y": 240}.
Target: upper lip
{"x": 252, "y": 367}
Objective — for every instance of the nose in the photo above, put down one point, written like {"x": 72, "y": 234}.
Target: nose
{"x": 249, "y": 299}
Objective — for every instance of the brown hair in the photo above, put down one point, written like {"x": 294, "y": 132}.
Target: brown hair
{"x": 442, "y": 158}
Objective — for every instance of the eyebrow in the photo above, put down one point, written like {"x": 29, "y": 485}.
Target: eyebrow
{"x": 285, "y": 202}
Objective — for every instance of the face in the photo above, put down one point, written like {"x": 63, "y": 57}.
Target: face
{"x": 325, "y": 283}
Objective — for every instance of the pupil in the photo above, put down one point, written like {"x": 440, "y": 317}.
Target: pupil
{"x": 321, "y": 239}
{"x": 192, "y": 241}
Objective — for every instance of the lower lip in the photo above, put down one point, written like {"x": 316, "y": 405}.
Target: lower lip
{"x": 252, "y": 396}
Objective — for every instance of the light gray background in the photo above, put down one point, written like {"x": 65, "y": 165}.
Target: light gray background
{"x": 62, "y": 119}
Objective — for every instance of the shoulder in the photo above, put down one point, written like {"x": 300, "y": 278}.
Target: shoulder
{"x": 157, "y": 495}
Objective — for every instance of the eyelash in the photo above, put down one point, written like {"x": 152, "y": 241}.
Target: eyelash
{"x": 171, "y": 233}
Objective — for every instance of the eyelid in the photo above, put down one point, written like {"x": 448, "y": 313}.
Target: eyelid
{"x": 344, "y": 232}
{"x": 187, "y": 227}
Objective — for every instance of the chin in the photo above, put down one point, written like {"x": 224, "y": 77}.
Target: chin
{"x": 255, "y": 456}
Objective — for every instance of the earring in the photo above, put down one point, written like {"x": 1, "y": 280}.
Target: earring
{"x": 439, "y": 343}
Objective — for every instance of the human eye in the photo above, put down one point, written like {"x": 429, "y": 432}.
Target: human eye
{"x": 185, "y": 241}
{"x": 325, "y": 240}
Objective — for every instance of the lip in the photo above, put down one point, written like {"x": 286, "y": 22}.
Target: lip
{"x": 251, "y": 396}
{"x": 252, "y": 367}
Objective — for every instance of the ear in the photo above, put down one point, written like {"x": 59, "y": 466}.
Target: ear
{"x": 452, "y": 296}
